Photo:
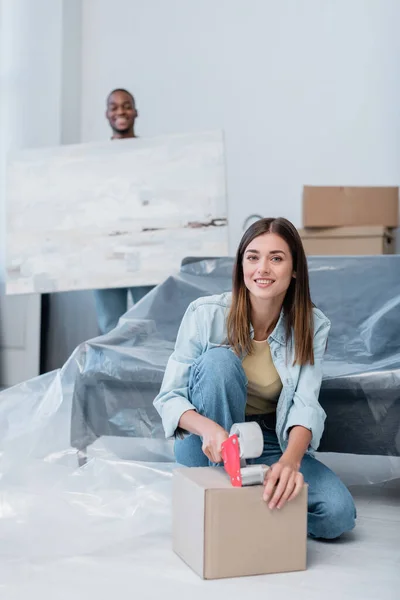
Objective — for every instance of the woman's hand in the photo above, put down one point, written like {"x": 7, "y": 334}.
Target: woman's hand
{"x": 288, "y": 480}
{"x": 211, "y": 433}
{"x": 213, "y": 436}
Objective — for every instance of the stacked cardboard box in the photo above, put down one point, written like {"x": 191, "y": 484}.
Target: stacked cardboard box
{"x": 349, "y": 220}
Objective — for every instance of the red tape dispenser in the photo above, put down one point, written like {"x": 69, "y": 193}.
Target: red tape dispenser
{"x": 245, "y": 441}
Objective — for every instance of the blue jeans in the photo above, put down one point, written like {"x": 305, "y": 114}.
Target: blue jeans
{"x": 218, "y": 390}
{"x": 111, "y": 304}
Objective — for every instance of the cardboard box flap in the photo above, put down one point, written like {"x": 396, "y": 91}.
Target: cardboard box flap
{"x": 352, "y": 193}
{"x": 346, "y": 232}
{"x": 207, "y": 478}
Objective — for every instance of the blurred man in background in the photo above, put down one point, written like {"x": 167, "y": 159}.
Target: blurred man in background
{"x": 112, "y": 303}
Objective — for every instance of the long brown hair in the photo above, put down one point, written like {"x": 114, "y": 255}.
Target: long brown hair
{"x": 297, "y": 305}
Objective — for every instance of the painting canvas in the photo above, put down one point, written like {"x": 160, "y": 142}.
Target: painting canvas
{"x": 115, "y": 214}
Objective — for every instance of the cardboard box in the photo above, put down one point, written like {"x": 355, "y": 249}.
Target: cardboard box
{"x": 348, "y": 206}
{"x": 222, "y": 531}
{"x": 345, "y": 241}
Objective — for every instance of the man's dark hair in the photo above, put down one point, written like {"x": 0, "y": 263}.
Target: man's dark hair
{"x": 121, "y": 90}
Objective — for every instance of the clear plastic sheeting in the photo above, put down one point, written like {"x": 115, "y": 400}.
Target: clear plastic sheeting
{"x": 85, "y": 469}
{"x": 120, "y": 374}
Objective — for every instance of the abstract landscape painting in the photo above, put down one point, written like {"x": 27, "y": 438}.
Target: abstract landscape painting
{"x": 114, "y": 214}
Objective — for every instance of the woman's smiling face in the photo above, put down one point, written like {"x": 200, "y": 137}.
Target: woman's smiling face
{"x": 267, "y": 267}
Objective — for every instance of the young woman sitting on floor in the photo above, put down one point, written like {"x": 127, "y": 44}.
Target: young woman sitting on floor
{"x": 256, "y": 354}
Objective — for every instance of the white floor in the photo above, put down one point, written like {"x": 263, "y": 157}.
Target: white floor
{"x": 363, "y": 565}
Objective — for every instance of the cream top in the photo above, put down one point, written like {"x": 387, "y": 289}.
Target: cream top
{"x": 264, "y": 384}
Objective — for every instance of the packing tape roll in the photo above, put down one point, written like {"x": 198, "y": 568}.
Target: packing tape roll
{"x": 251, "y": 439}
{"x": 253, "y": 474}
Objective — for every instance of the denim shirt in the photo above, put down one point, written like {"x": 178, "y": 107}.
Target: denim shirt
{"x": 204, "y": 327}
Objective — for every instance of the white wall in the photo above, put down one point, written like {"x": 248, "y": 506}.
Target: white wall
{"x": 306, "y": 91}
{"x": 30, "y": 99}
{"x": 71, "y": 70}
